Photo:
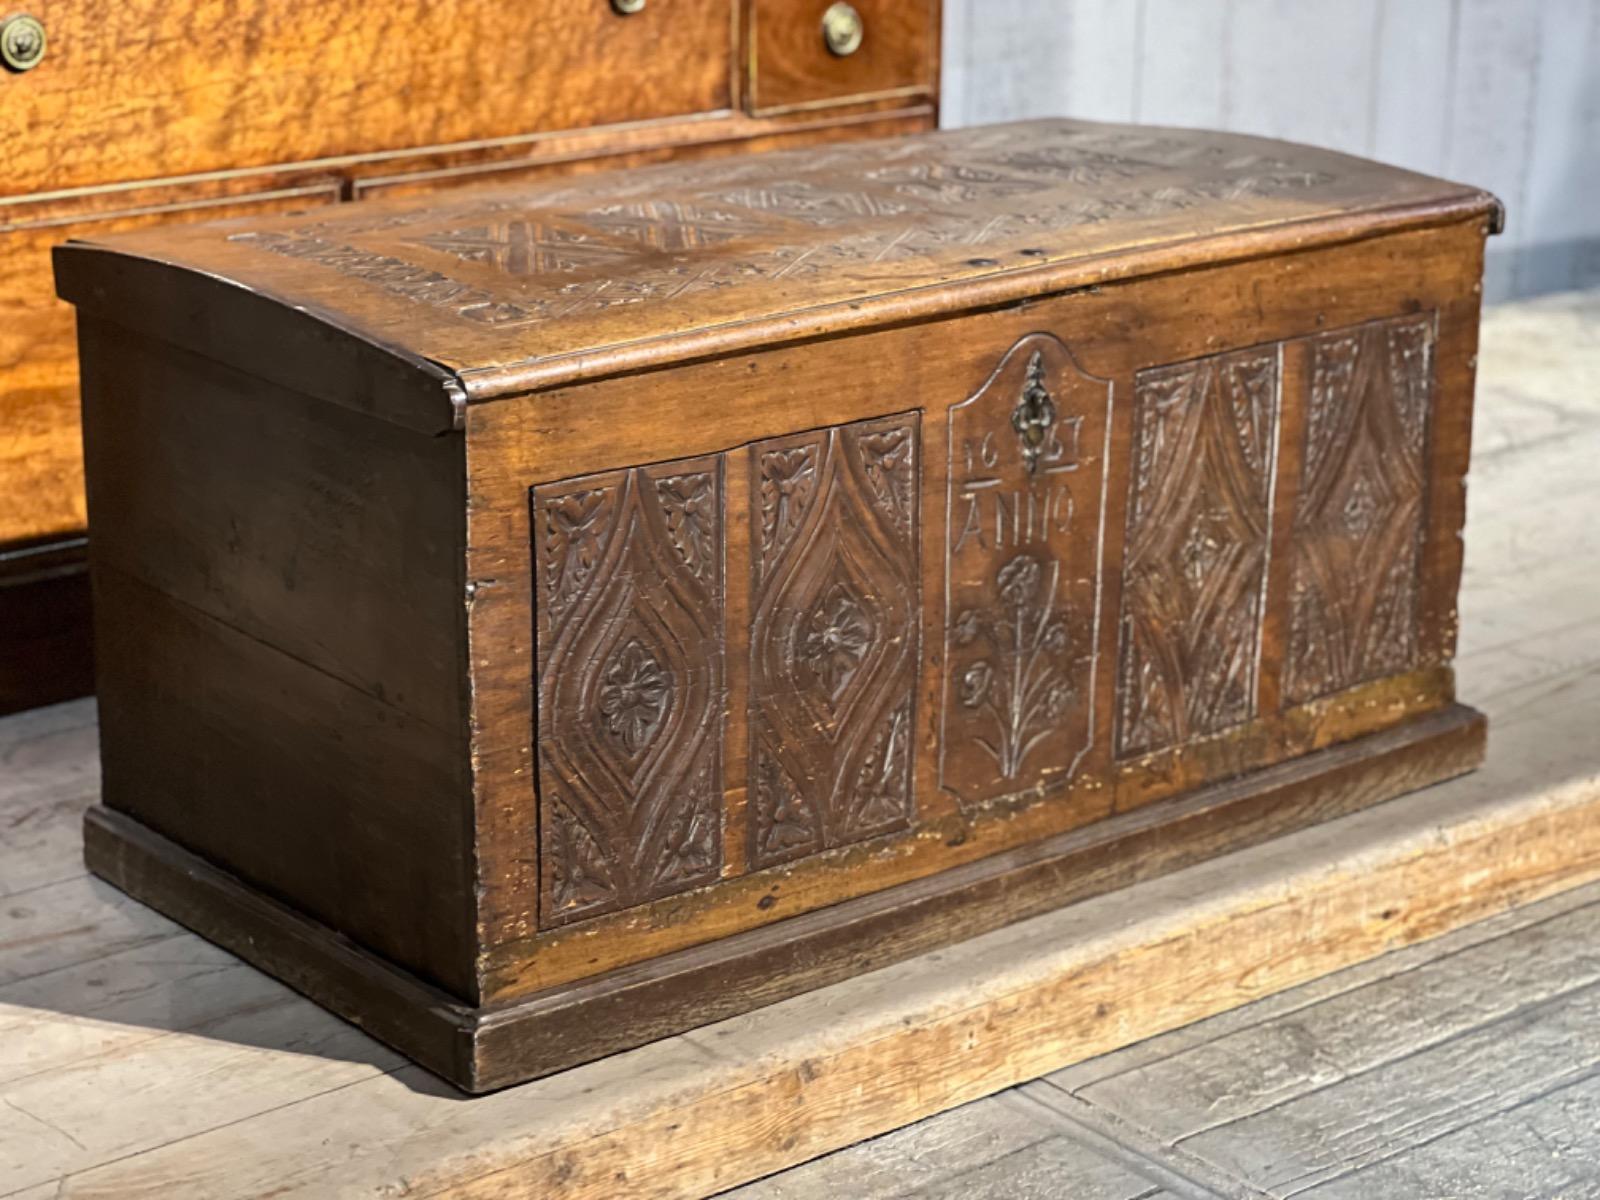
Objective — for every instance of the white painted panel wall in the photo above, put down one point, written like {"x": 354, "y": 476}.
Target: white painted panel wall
{"x": 1500, "y": 93}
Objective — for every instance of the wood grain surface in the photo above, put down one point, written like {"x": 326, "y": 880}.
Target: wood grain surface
{"x": 1311, "y": 1092}
{"x": 130, "y": 87}
{"x": 133, "y": 1011}
{"x": 472, "y": 640}
{"x": 789, "y": 65}
{"x": 1115, "y": 333}
{"x": 40, "y": 457}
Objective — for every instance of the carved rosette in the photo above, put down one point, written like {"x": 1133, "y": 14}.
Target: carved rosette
{"x": 629, "y": 600}
{"x": 1022, "y": 574}
{"x": 833, "y": 637}
{"x": 1197, "y": 549}
{"x": 1358, "y": 526}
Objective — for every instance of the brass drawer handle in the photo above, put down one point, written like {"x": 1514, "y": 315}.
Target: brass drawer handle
{"x": 842, "y": 29}
{"x": 626, "y": 8}
{"x": 22, "y": 42}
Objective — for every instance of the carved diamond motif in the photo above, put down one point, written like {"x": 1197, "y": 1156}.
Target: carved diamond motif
{"x": 1198, "y": 543}
{"x": 832, "y": 638}
{"x": 1359, "y": 522}
{"x": 525, "y": 247}
{"x": 1204, "y": 547}
{"x": 1360, "y": 508}
{"x": 628, "y": 607}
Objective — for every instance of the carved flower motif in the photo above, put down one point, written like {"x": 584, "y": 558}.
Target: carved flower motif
{"x": 1360, "y": 508}
{"x": 687, "y": 500}
{"x": 1022, "y": 689}
{"x": 572, "y": 541}
{"x": 786, "y": 480}
{"x": 634, "y": 694}
{"x": 836, "y": 639}
{"x": 1018, "y": 580}
{"x": 975, "y": 683}
{"x": 1204, "y": 546}
{"x": 789, "y": 822}
{"x": 967, "y": 627}
{"x": 886, "y": 458}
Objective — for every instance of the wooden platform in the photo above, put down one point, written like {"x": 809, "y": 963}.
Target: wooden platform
{"x": 1466, "y": 1067}
{"x": 136, "y": 1060}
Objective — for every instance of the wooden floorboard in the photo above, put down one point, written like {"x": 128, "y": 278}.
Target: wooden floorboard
{"x": 1100, "y": 1051}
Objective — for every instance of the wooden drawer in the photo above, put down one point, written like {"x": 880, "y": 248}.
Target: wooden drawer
{"x": 791, "y": 66}
{"x": 144, "y": 89}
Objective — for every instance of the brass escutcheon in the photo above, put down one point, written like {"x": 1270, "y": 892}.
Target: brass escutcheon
{"x": 1035, "y": 413}
{"x": 22, "y": 42}
{"x": 842, "y": 29}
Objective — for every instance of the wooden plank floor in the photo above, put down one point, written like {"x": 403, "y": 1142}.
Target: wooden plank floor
{"x": 1468, "y": 1066}
{"x": 136, "y": 1060}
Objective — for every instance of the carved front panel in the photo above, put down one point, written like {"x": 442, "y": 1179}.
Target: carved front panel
{"x": 1022, "y": 564}
{"x": 1359, "y": 521}
{"x": 833, "y": 636}
{"x": 1195, "y": 563}
{"x": 630, "y": 606}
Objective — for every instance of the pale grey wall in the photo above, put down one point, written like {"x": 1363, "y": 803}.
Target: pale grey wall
{"x": 1504, "y": 94}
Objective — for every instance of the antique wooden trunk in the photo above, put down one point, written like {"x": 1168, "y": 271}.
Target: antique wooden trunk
{"x": 543, "y": 619}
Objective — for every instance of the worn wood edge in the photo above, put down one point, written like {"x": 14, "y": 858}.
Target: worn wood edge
{"x": 490, "y": 1048}
{"x": 249, "y": 329}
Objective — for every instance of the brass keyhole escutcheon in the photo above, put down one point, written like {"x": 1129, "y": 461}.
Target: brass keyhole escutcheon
{"x": 1035, "y": 413}
{"x": 626, "y": 8}
{"x": 842, "y": 29}
{"x": 22, "y": 42}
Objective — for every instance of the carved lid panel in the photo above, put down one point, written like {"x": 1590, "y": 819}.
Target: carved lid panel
{"x": 538, "y": 284}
